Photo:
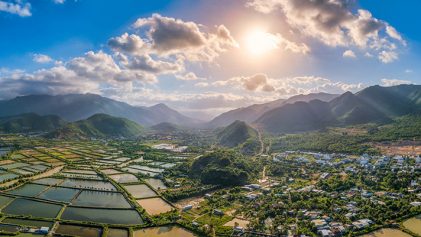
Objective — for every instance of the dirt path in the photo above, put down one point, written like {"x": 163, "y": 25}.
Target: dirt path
{"x": 38, "y": 176}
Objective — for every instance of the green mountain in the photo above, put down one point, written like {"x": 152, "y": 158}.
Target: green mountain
{"x": 297, "y": 117}
{"x": 75, "y": 107}
{"x": 165, "y": 128}
{"x": 236, "y": 133}
{"x": 251, "y": 113}
{"x": 374, "y": 104}
{"x": 222, "y": 167}
{"x": 99, "y": 126}
{"x": 30, "y": 123}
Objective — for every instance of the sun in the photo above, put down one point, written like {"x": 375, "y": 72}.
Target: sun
{"x": 259, "y": 42}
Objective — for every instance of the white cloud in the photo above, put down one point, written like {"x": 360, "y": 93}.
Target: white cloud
{"x": 170, "y": 36}
{"x": 190, "y": 76}
{"x": 393, "y": 82}
{"x": 349, "y": 54}
{"x": 18, "y": 8}
{"x": 284, "y": 87}
{"x": 41, "y": 58}
{"x": 388, "y": 56}
{"x": 335, "y": 23}
{"x": 126, "y": 43}
{"x": 59, "y": 1}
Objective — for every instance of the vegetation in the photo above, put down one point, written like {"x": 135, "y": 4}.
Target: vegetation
{"x": 30, "y": 123}
{"x": 222, "y": 167}
{"x": 99, "y": 126}
{"x": 236, "y": 134}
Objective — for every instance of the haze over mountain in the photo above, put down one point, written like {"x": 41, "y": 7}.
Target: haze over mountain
{"x": 251, "y": 113}
{"x": 74, "y": 107}
{"x": 374, "y": 104}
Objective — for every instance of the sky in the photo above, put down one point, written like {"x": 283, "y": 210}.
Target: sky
{"x": 205, "y": 57}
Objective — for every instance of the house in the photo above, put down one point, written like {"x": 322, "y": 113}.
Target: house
{"x": 361, "y": 224}
{"x": 325, "y": 233}
{"x": 218, "y": 212}
{"x": 43, "y": 230}
{"x": 187, "y": 208}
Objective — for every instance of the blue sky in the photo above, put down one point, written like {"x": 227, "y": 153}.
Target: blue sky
{"x": 221, "y": 56}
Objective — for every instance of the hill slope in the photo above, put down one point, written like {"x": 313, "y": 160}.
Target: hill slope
{"x": 374, "y": 104}
{"x": 235, "y": 134}
{"x": 251, "y": 113}
{"x": 76, "y": 107}
{"x": 29, "y": 123}
{"x": 99, "y": 126}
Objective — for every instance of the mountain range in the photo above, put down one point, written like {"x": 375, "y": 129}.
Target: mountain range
{"x": 74, "y": 107}
{"x": 375, "y": 104}
{"x": 251, "y": 113}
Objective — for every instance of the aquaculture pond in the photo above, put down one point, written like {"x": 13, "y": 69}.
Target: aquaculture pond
{"x": 28, "y": 190}
{"x": 5, "y": 200}
{"x": 110, "y": 171}
{"x": 101, "y": 199}
{"x": 155, "y": 206}
{"x": 4, "y": 150}
{"x": 7, "y": 176}
{"x": 136, "y": 171}
{"x": 124, "y": 178}
{"x": 117, "y": 232}
{"x": 156, "y": 183}
{"x": 387, "y": 232}
{"x": 140, "y": 191}
{"x": 48, "y": 181}
{"x": 76, "y": 230}
{"x": 33, "y": 208}
{"x": 108, "y": 216}
{"x": 163, "y": 231}
{"x": 9, "y": 228}
{"x": 29, "y": 223}
{"x": 88, "y": 184}
{"x": 413, "y": 224}
{"x": 59, "y": 194}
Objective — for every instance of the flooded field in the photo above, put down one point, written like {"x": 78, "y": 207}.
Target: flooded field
{"x": 387, "y": 232}
{"x": 140, "y": 191}
{"x": 82, "y": 231}
{"x": 28, "y": 207}
{"x": 117, "y": 232}
{"x": 110, "y": 171}
{"x": 101, "y": 199}
{"x": 136, "y": 171}
{"x": 28, "y": 223}
{"x": 88, "y": 184}
{"x": 108, "y": 216}
{"x": 156, "y": 184}
{"x": 164, "y": 231}
{"x": 28, "y": 190}
{"x": 124, "y": 178}
{"x": 7, "y": 176}
{"x": 48, "y": 181}
{"x": 9, "y": 228}
{"x": 79, "y": 171}
{"x": 155, "y": 206}
{"x": 59, "y": 194}
{"x": 413, "y": 224}
{"x": 5, "y": 200}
